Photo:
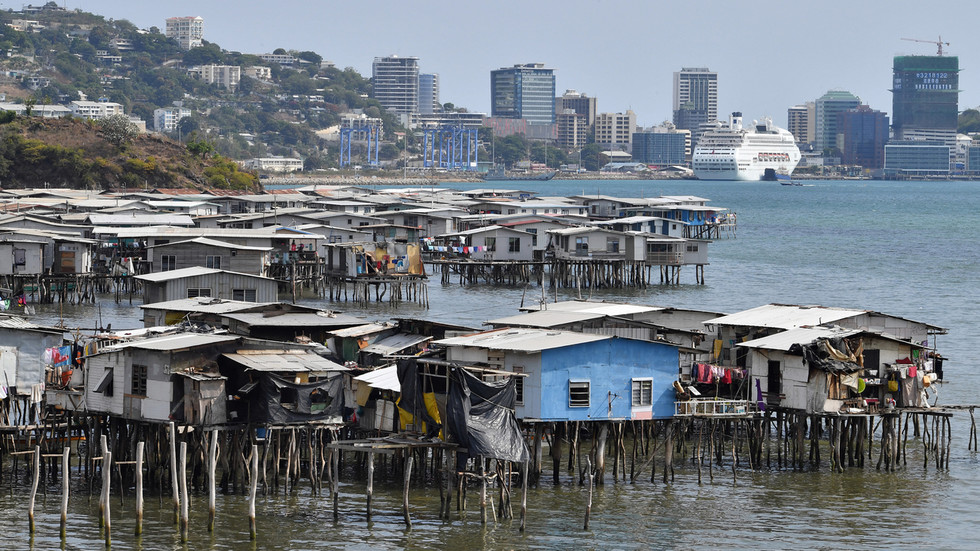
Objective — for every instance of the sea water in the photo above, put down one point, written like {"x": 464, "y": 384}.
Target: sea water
{"x": 909, "y": 249}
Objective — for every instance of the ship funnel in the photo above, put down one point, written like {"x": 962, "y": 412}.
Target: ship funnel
{"x": 735, "y": 121}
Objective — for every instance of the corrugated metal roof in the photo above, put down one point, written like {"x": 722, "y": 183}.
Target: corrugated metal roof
{"x": 801, "y": 335}
{"x": 603, "y": 308}
{"x": 14, "y": 322}
{"x": 544, "y": 318}
{"x": 213, "y": 243}
{"x": 175, "y": 342}
{"x": 190, "y": 272}
{"x": 522, "y": 339}
{"x": 206, "y": 305}
{"x": 194, "y": 375}
{"x": 785, "y": 316}
{"x": 394, "y": 344}
{"x": 360, "y": 330}
{"x": 300, "y": 319}
{"x": 385, "y": 378}
{"x": 141, "y": 220}
{"x": 290, "y": 361}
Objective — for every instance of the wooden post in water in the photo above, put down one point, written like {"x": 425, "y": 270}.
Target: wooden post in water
{"x": 106, "y": 481}
{"x": 173, "y": 472}
{"x": 64, "y": 490}
{"x": 588, "y": 504}
{"x": 183, "y": 493}
{"x": 523, "y": 494}
{"x": 483, "y": 491}
{"x": 139, "y": 487}
{"x": 34, "y": 481}
{"x": 251, "y": 497}
{"x": 335, "y": 459}
{"x": 370, "y": 483}
{"x": 408, "y": 480}
{"x": 212, "y": 465}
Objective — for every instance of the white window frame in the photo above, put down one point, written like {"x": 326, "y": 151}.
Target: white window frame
{"x": 519, "y": 385}
{"x": 244, "y": 295}
{"x": 213, "y": 261}
{"x": 194, "y": 292}
{"x": 168, "y": 262}
{"x": 641, "y": 392}
{"x": 577, "y": 386}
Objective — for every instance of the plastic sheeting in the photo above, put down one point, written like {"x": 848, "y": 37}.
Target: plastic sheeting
{"x": 282, "y": 401}
{"x": 817, "y": 355}
{"x": 412, "y": 399}
{"x": 481, "y": 417}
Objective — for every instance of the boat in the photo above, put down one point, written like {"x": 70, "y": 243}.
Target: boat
{"x": 494, "y": 175}
{"x": 733, "y": 152}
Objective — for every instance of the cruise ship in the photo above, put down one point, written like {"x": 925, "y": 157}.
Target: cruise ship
{"x": 762, "y": 151}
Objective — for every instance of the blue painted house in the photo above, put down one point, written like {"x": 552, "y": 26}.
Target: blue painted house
{"x": 568, "y": 376}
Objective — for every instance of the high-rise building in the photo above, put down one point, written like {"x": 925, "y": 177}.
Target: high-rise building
{"x": 524, "y": 91}
{"x": 661, "y": 145}
{"x": 827, "y": 108}
{"x": 925, "y": 95}
{"x": 695, "y": 98}
{"x": 801, "y": 120}
{"x": 578, "y": 103}
{"x": 188, "y": 31}
{"x": 429, "y": 94}
{"x": 572, "y": 129}
{"x": 615, "y": 130}
{"x": 396, "y": 83}
{"x": 862, "y": 133}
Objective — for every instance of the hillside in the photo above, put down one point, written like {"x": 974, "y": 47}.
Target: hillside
{"x": 75, "y": 153}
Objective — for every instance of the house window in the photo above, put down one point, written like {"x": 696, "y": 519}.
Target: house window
{"x": 213, "y": 261}
{"x": 491, "y": 243}
{"x": 194, "y": 292}
{"x": 642, "y": 392}
{"x": 519, "y": 386}
{"x": 612, "y": 244}
{"x": 245, "y": 295}
{"x": 514, "y": 244}
{"x": 168, "y": 262}
{"x": 692, "y": 248}
{"x": 105, "y": 385}
{"x": 578, "y": 393}
{"x": 581, "y": 246}
{"x": 139, "y": 380}
{"x": 20, "y": 257}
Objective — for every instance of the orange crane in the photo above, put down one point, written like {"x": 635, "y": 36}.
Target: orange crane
{"x": 939, "y": 43}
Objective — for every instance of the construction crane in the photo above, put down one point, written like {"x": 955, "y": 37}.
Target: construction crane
{"x": 938, "y": 43}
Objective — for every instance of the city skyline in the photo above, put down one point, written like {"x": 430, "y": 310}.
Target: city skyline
{"x": 769, "y": 55}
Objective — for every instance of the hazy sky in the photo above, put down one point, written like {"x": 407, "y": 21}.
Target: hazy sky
{"x": 769, "y": 54}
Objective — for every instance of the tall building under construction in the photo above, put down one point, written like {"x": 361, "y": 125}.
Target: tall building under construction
{"x": 925, "y": 96}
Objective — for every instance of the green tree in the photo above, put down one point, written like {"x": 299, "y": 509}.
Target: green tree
{"x": 590, "y": 156}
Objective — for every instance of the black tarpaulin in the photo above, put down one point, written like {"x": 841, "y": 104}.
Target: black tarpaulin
{"x": 411, "y": 398}
{"x": 481, "y": 418}
{"x": 283, "y": 401}
{"x": 816, "y": 355}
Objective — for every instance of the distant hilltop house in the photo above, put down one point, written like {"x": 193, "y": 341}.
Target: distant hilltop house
{"x": 274, "y": 164}
{"x": 187, "y": 31}
{"x": 225, "y": 76}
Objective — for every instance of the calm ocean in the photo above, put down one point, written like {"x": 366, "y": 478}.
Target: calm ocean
{"x": 911, "y": 249}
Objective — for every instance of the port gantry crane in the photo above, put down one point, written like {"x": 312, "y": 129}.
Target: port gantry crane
{"x": 938, "y": 43}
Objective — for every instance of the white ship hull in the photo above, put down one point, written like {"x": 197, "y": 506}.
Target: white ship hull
{"x": 734, "y": 153}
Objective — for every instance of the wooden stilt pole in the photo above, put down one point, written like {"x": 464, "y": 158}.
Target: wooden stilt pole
{"x": 370, "y": 483}
{"x": 408, "y": 481}
{"x": 64, "y": 491}
{"x": 175, "y": 490}
{"x": 523, "y": 495}
{"x": 212, "y": 465}
{"x": 591, "y": 478}
{"x": 254, "y": 485}
{"x": 106, "y": 481}
{"x": 139, "y": 488}
{"x": 34, "y": 482}
{"x": 184, "y": 513}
